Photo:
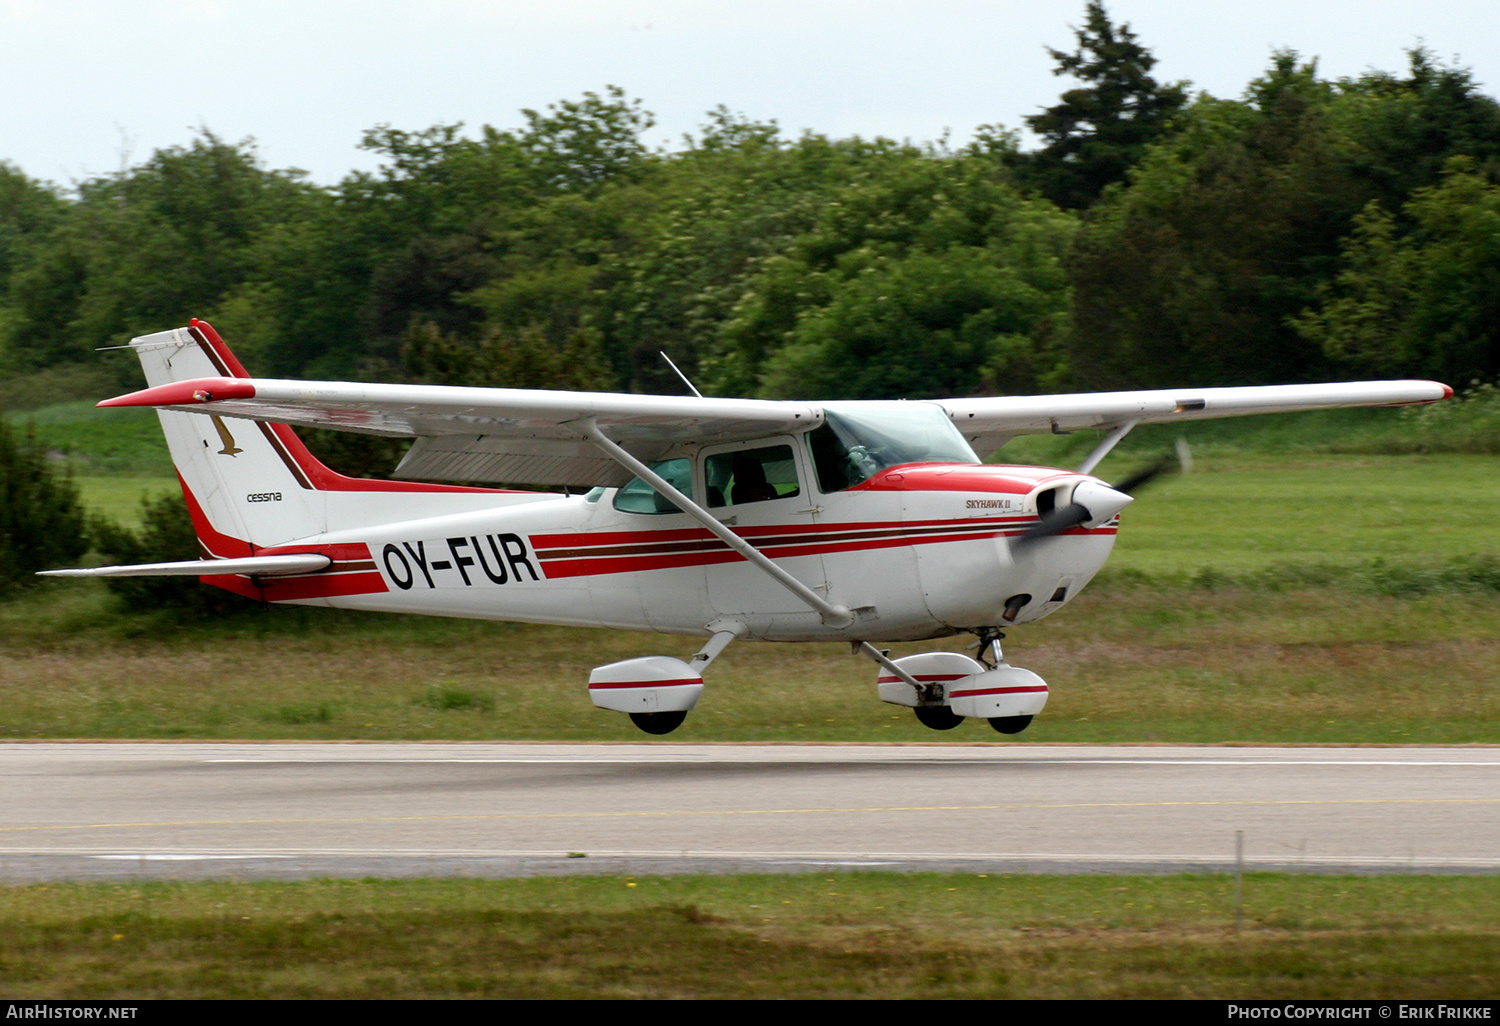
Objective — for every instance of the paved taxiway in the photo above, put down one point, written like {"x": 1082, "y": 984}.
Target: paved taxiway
{"x": 132, "y": 810}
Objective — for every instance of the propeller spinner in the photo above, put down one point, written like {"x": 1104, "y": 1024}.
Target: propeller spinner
{"x": 1092, "y": 504}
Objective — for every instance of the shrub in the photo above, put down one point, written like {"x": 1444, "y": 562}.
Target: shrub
{"x": 166, "y": 536}
{"x": 42, "y": 525}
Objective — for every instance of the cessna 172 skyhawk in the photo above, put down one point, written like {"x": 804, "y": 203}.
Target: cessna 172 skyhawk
{"x": 717, "y": 518}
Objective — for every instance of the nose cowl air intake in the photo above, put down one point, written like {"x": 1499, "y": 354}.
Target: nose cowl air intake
{"x": 1099, "y": 501}
{"x": 1093, "y": 503}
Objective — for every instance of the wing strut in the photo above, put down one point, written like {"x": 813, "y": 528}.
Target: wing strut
{"x": 1106, "y": 444}
{"x": 833, "y": 615}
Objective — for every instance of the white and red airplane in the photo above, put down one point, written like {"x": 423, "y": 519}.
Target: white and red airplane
{"x": 866, "y": 522}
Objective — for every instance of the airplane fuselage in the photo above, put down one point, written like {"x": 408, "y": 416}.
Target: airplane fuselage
{"x": 917, "y": 551}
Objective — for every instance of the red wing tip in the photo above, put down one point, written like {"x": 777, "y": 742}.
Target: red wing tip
{"x": 186, "y": 393}
{"x": 1447, "y": 391}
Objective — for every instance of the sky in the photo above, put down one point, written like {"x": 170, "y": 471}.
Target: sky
{"x": 97, "y": 85}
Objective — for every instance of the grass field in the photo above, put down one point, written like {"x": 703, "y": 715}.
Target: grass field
{"x": 844, "y": 936}
{"x": 1313, "y": 580}
{"x": 1328, "y": 598}
{"x": 1302, "y": 584}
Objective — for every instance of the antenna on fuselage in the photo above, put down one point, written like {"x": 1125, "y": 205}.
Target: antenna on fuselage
{"x": 681, "y": 375}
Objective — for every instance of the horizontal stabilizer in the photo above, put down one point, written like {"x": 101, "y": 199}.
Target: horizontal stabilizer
{"x": 302, "y": 563}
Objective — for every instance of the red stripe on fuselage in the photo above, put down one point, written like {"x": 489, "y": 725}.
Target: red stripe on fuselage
{"x": 324, "y": 585}
{"x": 352, "y": 571}
{"x": 614, "y": 552}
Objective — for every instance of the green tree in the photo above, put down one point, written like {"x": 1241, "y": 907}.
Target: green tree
{"x": 704, "y": 224}
{"x": 433, "y": 235}
{"x": 1423, "y": 300}
{"x": 1196, "y": 272}
{"x": 1404, "y": 129}
{"x": 522, "y": 358}
{"x": 166, "y": 535}
{"x": 1099, "y": 130}
{"x": 42, "y": 523}
{"x": 577, "y": 145}
{"x": 922, "y": 275}
{"x": 148, "y": 248}
{"x": 28, "y": 211}
{"x": 1188, "y": 277}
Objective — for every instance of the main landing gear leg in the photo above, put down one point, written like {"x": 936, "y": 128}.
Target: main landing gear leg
{"x": 926, "y": 697}
{"x": 657, "y": 692}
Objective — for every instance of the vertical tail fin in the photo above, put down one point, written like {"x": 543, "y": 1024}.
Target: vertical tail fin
{"x": 247, "y": 484}
{"x": 251, "y": 485}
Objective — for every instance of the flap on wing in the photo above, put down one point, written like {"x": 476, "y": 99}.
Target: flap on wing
{"x": 505, "y": 460}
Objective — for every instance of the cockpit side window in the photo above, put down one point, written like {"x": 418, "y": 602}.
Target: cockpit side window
{"x": 856, "y": 443}
{"x": 751, "y": 475}
{"x": 831, "y": 460}
{"x": 639, "y": 497}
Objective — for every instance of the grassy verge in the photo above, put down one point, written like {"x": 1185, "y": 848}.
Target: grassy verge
{"x": 1127, "y": 664}
{"x": 95, "y": 442}
{"x": 853, "y": 935}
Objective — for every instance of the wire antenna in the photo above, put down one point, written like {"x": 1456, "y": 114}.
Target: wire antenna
{"x": 681, "y": 375}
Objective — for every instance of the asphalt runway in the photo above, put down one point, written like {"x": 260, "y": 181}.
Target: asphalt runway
{"x": 137, "y": 811}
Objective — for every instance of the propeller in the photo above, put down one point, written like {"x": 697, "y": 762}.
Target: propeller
{"x": 1146, "y": 475}
{"x": 1093, "y": 503}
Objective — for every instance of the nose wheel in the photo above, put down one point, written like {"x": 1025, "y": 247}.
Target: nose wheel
{"x": 662, "y": 722}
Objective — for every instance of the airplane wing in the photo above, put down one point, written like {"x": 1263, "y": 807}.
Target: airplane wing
{"x": 489, "y": 434}
{"x": 990, "y": 423}
{"x": 509, "y": 435}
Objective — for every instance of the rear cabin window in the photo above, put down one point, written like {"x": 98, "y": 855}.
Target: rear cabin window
{"x": 751, "y": 475}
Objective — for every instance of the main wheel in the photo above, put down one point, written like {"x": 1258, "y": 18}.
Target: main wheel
{"x": 659, "y": 722}
{"x": 938, "y": 717}
{"x": 1010, "y": 724}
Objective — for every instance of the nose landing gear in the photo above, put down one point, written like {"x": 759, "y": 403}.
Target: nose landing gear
{"x": 944, "y": 688}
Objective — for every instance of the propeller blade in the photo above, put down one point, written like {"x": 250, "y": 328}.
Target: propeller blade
{"x": 1144, "y": 476}
{"x": 1055, "y": 522}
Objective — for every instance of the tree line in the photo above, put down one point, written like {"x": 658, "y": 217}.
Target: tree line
{"x": 1308, "y": 229}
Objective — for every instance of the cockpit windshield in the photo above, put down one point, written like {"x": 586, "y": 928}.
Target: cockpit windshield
{"x": 856, "y": 442}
